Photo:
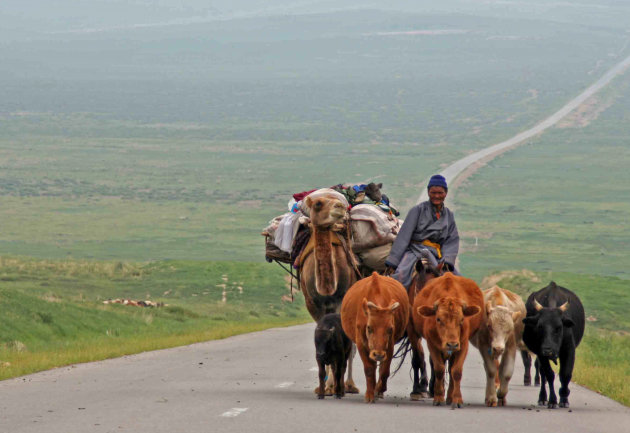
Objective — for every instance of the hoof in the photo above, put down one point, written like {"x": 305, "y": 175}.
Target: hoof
{"x": 537, "y": 382}
{"x": 320, "y": 396}
{"x": 491, "y": 403}
{"x": 527, "y": 382}
{"x": 338, "y": 396}
{"x": 456, "y": 406}
{"x": 542, "y": 402}
{"x": 502, "y": 402}
{"x": 369, "y": 399}
{"x": 437, "y": 403}
{"x": 552, "y": 406}
{"x": 564, "y": 404}
{"x": 417, "y": 396}
{"x": 380, "y": 395}
{"x": 351, "y": 389}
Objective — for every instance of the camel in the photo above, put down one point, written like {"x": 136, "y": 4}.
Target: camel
{"x": 327, "y": 266}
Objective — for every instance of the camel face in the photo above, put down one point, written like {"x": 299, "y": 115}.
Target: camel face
{"x": 326, "y": 211}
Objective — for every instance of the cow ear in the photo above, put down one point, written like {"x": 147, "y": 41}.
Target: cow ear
{"x": 365, "y": 306}
{"x": 308, "y": 201}
{"x": 568, "y": 323}
{"x": 472, "y": 310}
{"x": 426, "y": 311}
{"x": 530, "y": 320}
{"x": 380, "y": 185}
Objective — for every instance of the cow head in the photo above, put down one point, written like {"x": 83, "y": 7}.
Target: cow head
{"x": 379, "y": 331}
{"x": 449, "y": 316}
{"x": 500, "y": 324}
{"x": 325, "y": 342}
{"x": 549, "y": 324}
{"x": 325, "y": 211}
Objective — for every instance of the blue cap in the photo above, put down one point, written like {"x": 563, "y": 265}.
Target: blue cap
{"x": 437, "y": 180}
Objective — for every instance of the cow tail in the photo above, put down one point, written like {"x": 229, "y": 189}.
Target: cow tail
{"x": 404, "y": 347}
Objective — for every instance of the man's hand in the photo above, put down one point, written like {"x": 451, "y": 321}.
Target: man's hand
{"x": 389, "y": 270}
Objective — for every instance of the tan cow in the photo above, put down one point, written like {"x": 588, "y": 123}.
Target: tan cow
{"x": 498, "y": 338}
{"x": 374, "y": 315}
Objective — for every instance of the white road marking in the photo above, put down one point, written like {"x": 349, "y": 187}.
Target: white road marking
{"x": 236, "y": 411}
{"x": 284, "y": 384}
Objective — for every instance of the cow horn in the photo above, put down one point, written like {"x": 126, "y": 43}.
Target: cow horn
{"x": 564, "y": 307}
{"x": 394, "y": 306}
{"x": 537, "y": 305}
{"x": 372, "y": 304}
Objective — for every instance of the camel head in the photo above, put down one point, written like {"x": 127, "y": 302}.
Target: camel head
{"x": 325, "y": 211}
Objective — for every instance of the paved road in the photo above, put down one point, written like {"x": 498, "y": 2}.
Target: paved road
{"x": 455, "y": 169}
{"x": 263, "y": 382}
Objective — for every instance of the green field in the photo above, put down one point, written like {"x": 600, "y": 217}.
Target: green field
{"x": 53, "y": 312}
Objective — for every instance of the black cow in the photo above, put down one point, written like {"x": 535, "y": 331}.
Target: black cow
{"x": 554, "y": 327}
{"x": 332, "y": 347}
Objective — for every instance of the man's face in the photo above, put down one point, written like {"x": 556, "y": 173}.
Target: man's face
{"x": 437, "y": 194}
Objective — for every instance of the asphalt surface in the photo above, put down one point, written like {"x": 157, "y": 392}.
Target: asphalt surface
{"x": 264, "y": 382}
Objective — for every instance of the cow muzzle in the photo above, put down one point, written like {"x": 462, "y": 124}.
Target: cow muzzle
{"x": 377, "y": 355}
{"x": 451, "y": 347}
{"x": 497, "y": 351}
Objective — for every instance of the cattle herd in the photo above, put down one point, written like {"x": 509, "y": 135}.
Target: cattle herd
{"x": 449, "y": 312}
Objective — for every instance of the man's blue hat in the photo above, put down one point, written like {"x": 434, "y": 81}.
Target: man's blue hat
{"x": 437, "y": 180}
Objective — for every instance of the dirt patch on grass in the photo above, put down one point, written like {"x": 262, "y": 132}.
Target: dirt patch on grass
{"x": 492, "y": 280}
{"x": 585, "y": 113}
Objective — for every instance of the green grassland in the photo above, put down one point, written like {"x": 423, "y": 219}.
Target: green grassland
{"x": 559, "y": 203}
{"x": 53, "y": 312}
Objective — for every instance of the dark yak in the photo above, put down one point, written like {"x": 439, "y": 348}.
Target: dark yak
{"x": 554, "y": 327}
{"x": 332, "y": 347}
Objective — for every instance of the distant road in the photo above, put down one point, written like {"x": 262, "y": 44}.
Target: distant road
{"x": 489, "y": 153}
{"x": 263, "y": 382}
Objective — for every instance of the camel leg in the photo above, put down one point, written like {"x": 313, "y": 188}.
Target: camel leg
{"x": 350, "y": 387}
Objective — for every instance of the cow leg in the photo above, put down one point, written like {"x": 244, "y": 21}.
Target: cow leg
{"x": 491, "y": 371}
{"x": 330, "y": 380}
{"x": 506, "y": 369}
{"x": 418, "y": 364}
{"x": 547, "y": 372}
{"x": 338, "y": 374}
{"x": 542, "y": 396}
{"x": 497, "y": 380}
{"x": 322, "y": 377}
{"x": 566, "y": 372}
{"x": 527, "y": 363}
{"x": 350, "y": 387}
{"x": 437, "y": 369}
{"x": 456, "y": 368}
{"x": 432, "y": 380}
{"x": 383, "y": 373}
{"x": 369, "y": 368}
{"x": 537, "y": 375}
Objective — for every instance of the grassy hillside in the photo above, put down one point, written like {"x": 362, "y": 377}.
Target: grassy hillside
{"x": 52, "y": 312}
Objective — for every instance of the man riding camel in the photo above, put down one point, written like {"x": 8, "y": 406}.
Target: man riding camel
{"x": 429, "y": 231}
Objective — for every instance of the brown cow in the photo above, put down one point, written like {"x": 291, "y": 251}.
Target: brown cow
{"x": 446, "y": 314}
{"x": 374, "y": 315}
